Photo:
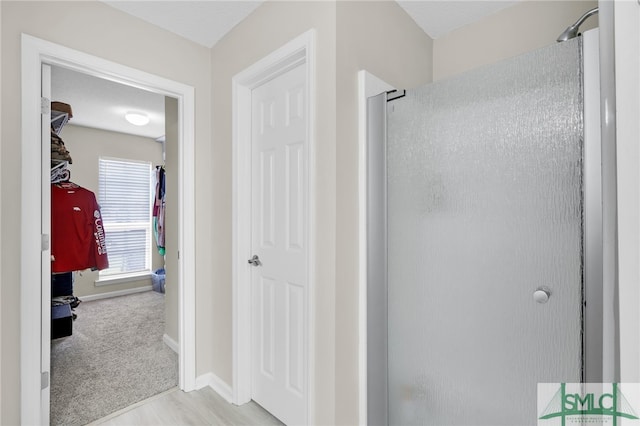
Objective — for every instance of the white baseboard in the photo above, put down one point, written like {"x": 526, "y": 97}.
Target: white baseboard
{"x": 217, "y": 384}
{"x": 173, "y": 345}
{"x": 115, "y": 293}
{"x": 204, "y": 380}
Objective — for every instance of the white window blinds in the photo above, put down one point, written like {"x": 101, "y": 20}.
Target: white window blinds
{"x": 125, "y": 202}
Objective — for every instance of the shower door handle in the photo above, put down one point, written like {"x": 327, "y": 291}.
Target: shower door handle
{"x": 255, "y": 260}
{"x": 541, "y": 295}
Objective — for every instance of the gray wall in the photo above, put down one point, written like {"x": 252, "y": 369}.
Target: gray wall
{"x": 377, "y": 36}
{"x": 270, "y": 26}
{"x": 387, "y": 43}
{"x": 94, "y": 28}
{"x": 521, "y": 28}
{"x": 391, "y": 46}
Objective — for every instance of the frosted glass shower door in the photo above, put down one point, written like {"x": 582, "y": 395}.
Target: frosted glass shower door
{"x": 484, "y": 181}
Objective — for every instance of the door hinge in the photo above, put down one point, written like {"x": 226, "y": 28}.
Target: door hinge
{"x": 45, "y": 105}
{"x": 44, "y": 380}
{"x": 44, "y": 242}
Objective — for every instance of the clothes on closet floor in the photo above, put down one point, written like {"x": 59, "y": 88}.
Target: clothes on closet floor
{"x": 62, "y": 294}
{"x": 77, "y": 233}
{"x": 158, "y": 209}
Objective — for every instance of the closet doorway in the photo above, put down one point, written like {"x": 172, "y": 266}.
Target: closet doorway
{"x": 114, "y": 330}
{"x": 36, "y": 282}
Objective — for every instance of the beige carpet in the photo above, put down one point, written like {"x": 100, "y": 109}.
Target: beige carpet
{"x": 114, "y": 358}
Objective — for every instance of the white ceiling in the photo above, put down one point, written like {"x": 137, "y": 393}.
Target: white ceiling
{"x": 207, "y": 21}
{"x": 204, "y": 22}
{"x": 437, "y": 18}
{"x": 102, "y": 104}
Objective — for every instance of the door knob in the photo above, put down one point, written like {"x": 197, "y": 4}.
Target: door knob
{"x": 541, "y": 295}
{"x": 255, "y": 260}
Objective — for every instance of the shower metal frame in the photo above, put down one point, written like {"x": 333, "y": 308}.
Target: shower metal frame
{"x": 593, "y": 330}
{"x": 376, "y": 271}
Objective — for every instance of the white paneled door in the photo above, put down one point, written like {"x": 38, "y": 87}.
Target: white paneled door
{"x": 279, "y": 246}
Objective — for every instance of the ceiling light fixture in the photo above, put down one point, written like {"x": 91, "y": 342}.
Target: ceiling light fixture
{"x": 137, "y": 118}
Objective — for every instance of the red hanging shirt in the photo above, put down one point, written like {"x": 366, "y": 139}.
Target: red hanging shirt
{"x": 77, "y": 233}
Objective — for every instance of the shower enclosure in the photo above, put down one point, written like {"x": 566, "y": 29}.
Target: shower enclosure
{"x": 483, "y": 227}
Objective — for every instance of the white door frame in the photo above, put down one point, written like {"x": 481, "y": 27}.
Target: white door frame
{"x": 301, "y": 50}
{"x": 35, "y": 52}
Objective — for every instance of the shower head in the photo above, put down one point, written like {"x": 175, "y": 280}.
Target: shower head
{"x": 572, "y": 30}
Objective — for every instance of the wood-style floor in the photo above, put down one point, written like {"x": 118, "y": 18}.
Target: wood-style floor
{"x": 201, "y": 407}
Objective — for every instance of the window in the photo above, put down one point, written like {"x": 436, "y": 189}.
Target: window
{"x": 125, "y": 203}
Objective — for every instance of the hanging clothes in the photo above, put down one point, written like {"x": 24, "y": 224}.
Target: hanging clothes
{"x": 159, "y": 209}
{"x": 77, "y": 233}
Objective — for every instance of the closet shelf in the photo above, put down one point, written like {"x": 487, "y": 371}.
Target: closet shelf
{"x": 58, "y": 120}
{"x": 60, "y": 171}
{"x": 60, "y": 114}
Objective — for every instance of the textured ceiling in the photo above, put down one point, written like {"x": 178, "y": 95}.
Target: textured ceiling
{"x": 102, "y": 104}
